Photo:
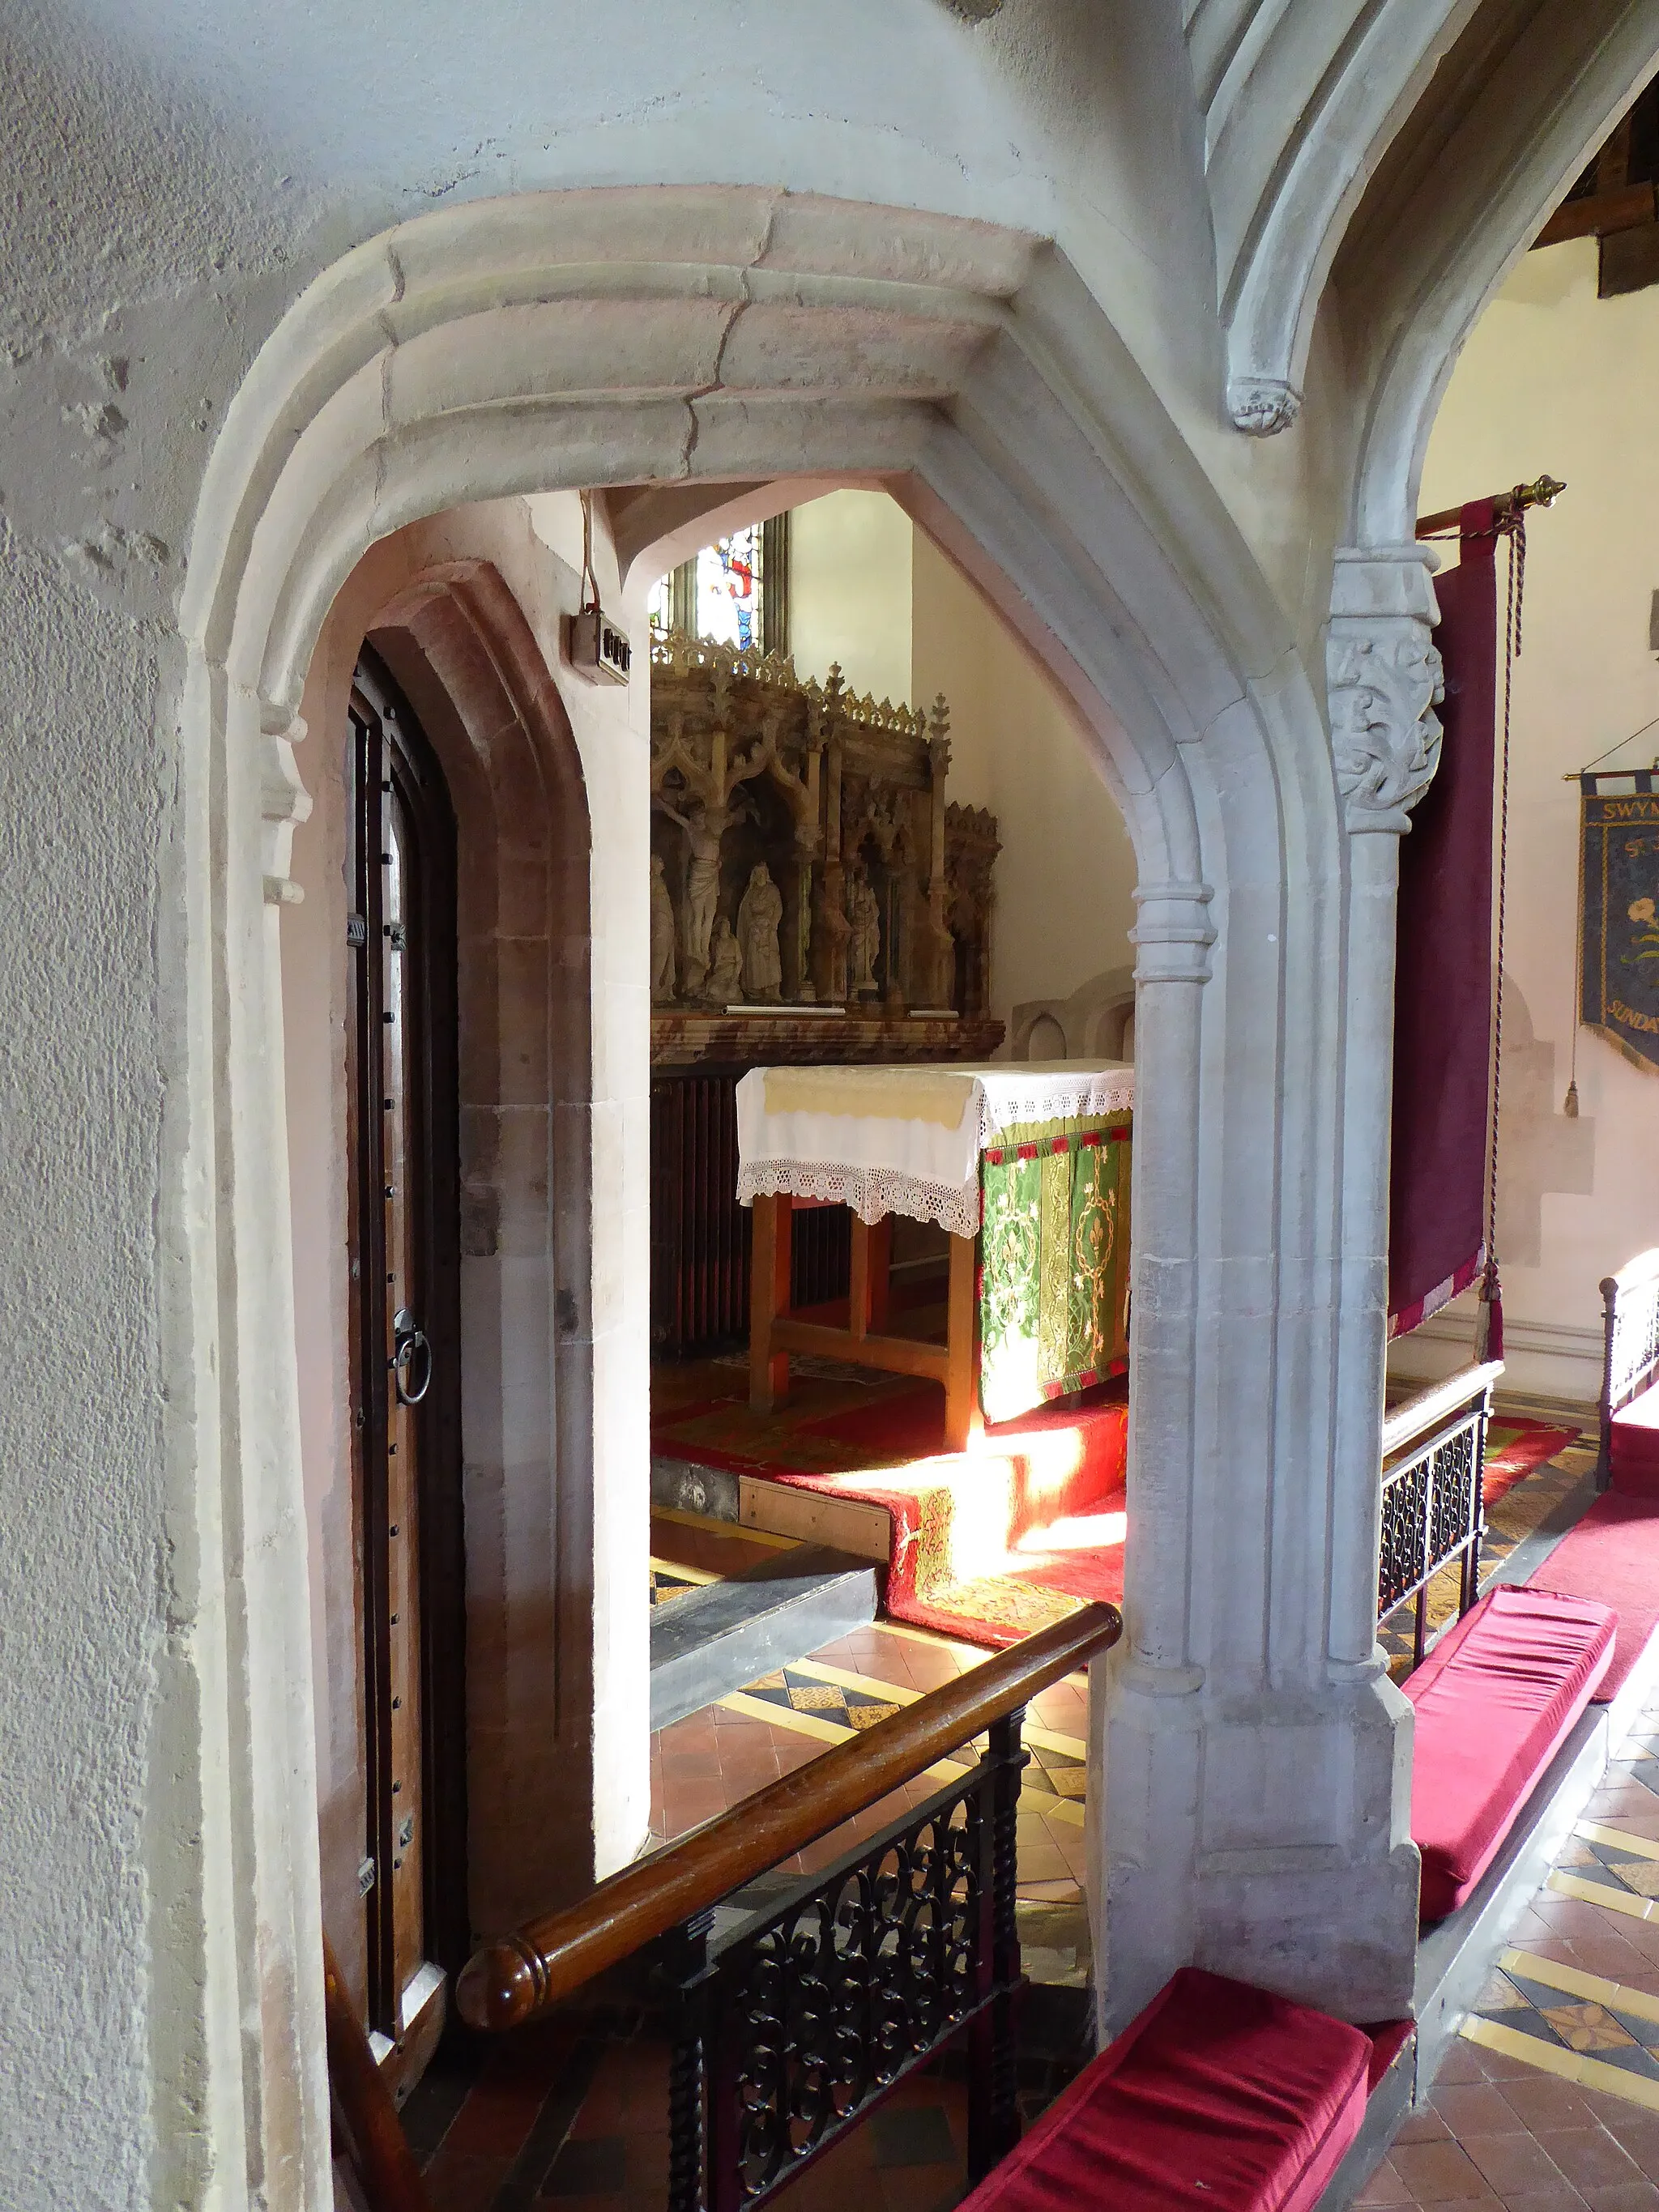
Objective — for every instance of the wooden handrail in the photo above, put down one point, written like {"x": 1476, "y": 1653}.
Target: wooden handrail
{"x": 1416, "y": 1416}
{"x": 380, "y": 2150}
{"x": 512, "y": 1980}
{"x": 1636, "y": 1274}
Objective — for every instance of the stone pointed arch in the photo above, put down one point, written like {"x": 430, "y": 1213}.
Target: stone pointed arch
{"x": 1299, "y": 102}
{"x": 671, "y": 336}
{"x": 460, "y": 645}
{"x": 1462, "y": 194}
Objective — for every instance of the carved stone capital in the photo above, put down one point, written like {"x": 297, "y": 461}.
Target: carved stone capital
{"x": 1261, "y": 406}
{"x": 284, "y": 803}
{"x": 1383, "y": 681}
{"x": 1173, "y": 932}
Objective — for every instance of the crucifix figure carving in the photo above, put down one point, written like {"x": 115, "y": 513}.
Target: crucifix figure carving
{"x": 703, "y": 830}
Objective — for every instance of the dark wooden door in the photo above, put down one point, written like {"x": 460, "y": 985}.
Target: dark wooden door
{"x": 405, "y": 1358}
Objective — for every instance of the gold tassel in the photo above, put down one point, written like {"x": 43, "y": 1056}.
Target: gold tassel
{"x": 1570, "y": 1105}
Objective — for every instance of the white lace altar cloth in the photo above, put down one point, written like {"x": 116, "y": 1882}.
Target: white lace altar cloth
{"x": 880, "y": 1164}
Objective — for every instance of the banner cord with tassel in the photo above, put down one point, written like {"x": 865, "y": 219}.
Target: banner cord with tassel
{"x": 1489, "y": 1340}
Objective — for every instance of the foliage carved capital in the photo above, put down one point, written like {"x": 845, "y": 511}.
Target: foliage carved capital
{"x": 1383, "y": 682}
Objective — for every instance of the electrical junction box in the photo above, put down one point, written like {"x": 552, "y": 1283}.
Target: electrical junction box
{"x": 597, "y": 649}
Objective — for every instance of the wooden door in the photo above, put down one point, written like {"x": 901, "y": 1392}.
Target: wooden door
{"x": 405, "y": 1372}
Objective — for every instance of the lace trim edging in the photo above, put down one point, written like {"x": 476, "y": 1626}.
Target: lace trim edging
{"x": 1053, "y": 1098}
{"x": 872, "y": 1192}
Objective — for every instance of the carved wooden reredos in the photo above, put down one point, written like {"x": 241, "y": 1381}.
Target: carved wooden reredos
{"x": 803, "y": 853}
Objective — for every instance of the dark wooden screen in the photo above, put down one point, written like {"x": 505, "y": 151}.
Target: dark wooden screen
{"x": 699, "y": 1234}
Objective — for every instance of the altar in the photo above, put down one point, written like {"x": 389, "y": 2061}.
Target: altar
{"x": 1027, "y": 1169}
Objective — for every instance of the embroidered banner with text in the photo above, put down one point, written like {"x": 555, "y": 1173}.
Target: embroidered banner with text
{"x": 1620, "y": 879}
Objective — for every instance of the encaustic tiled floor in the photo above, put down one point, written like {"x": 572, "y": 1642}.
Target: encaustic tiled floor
{"x": 710, "y": 1760}
{"x": 1549, "y": 2102}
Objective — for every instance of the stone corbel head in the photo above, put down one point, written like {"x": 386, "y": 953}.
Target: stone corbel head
{"x": 1261, "y": 406}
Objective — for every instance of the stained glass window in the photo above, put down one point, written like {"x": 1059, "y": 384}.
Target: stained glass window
{"x": 733, "y": 592}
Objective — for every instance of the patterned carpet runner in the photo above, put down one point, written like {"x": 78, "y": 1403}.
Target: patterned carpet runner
{"x": 1515, "y": 1445}
{"x": 989, "y": 1546}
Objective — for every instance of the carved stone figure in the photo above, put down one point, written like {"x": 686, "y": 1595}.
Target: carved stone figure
{"x": 864, "y": 947}
{"x": 703, "y": 832}
{"x": 662, "y": 934}
{"x": 755, "y": 766}
{"x": 758, "y": 918}
{"x": 724, "y": 966}
{"x": 971, "y": 846}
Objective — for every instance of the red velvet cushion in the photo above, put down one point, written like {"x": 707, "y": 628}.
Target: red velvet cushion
{"x": 1495, "y": 1700}
{"x": 1219, "y": 2096}
{"x": 1633, "y": 1453}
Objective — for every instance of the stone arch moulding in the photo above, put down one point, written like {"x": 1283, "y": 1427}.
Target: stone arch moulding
{"x": 445, "y": 622}
{"x": 732, "y": 335}
{"x": 1450, "y": 212}
{"x": 459, "y": 645}
{"x": 1343, "y": 73}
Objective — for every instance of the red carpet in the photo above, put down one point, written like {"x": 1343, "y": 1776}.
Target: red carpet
{"x": 1636, "y": 1446}
{"x": 1612, "y": 1554}
{"x": 1515, "y": 1446}
{"x": 990, "y": 1545}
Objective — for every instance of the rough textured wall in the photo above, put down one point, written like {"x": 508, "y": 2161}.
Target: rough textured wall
{"x": 85, "y": 1580}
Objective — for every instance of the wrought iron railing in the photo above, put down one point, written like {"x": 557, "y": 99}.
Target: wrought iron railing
{"x": 1630, "y": 1320}
{"x": 1434, "y": 1450}
{"x": 799, "y": 2006}
{"x": 801, "y": 2019}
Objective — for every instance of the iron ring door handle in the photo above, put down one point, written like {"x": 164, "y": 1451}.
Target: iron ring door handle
{"x": 411, "y": 1353}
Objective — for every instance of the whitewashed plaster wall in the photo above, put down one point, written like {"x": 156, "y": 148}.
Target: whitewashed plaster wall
{"x": 850, "y": 592}
{"x": 1066, "y": 877}
{"x": 160, "y": 2010}
{"x": 1555, "y": 379}
{"x": 870, "y": 590}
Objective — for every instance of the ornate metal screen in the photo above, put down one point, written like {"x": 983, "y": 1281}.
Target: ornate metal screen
{"x": 1433, "y": 1513}
{"x": 796, "y": 2020}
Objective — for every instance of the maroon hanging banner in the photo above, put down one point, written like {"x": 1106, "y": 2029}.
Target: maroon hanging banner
{"x": 1442, "y": 975}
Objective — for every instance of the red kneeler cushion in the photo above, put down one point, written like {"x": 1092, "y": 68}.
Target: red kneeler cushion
{"x": 1633, "y": 1450}
{"x": 1219, "y": 2097}
{"x": 1496, "y": 1699}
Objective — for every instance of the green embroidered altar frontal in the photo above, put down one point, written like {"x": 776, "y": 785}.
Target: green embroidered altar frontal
{"x": 1054, "y": 1273}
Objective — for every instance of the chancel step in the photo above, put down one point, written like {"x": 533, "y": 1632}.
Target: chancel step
{"x": 709, "y": 1642}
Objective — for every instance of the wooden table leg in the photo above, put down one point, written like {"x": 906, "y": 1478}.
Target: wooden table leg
{"x": 962, "y": 1419}
{"x": 868, "y": 1283}
{"x": 769, "y": 1297}
{"x": 881, "y": 1265}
